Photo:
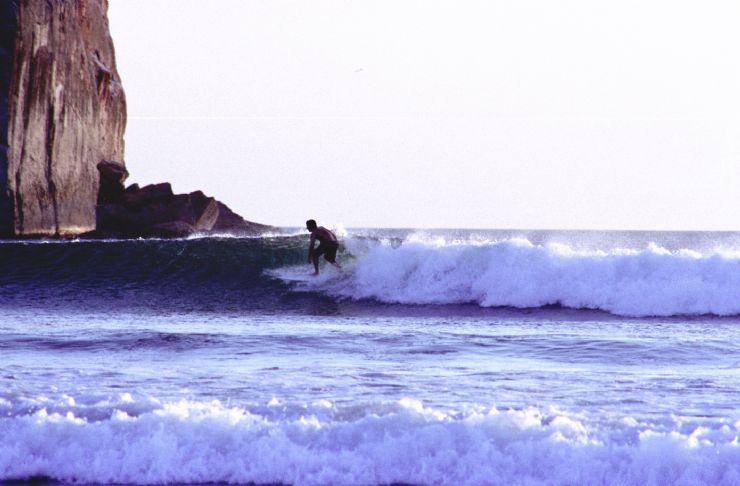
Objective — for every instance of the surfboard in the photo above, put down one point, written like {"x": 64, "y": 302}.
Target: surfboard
{"x": 302, "y": 273}
{"x": 297, "y": 277}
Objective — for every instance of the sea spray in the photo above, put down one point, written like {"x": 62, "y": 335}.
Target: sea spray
{"x": 517, "y": 273}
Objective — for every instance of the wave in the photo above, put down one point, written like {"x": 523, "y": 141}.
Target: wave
{"x": 403, "y": 442}
{"x": 243, "y": 274}
{"x": 517, "y": 273}
{"x": 115, "y": 342}
{"x": 199, "y": 275}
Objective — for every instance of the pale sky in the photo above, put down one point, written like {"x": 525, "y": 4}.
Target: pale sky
{"x": 574, "y": 114}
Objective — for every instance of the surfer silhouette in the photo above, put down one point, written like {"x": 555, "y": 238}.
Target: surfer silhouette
{"x": 328, "y": 245}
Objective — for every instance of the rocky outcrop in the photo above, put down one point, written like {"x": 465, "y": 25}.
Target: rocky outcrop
{"x": 155, "y": 211}
{"x": 66, "y": 113}
{"x": 62, "y": 119}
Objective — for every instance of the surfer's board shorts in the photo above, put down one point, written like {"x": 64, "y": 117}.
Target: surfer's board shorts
{"x": 328, "y": 249}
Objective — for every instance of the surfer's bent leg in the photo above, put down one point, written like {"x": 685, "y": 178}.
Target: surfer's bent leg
{"x": 331, "y": 253}
{"x": 315, "y": 257}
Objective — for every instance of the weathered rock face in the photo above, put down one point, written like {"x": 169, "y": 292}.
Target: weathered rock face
{"x": 62, "y": 119}
{"x": 66, "y": 113}
{"x": 155, "y": 211}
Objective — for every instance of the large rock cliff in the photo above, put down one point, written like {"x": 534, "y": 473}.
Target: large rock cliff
{"x": 66, "y": 112}
{"x": 62, "y": 119}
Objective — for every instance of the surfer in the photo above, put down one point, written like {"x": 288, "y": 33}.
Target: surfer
{"x": 328, "y": 245}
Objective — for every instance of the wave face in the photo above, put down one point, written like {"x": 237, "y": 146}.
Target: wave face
{"x": 190, "y": 275}
{"x": 517, "y": 273}
{"x": 405, "y": 442}
{"x": 485, "y": 270}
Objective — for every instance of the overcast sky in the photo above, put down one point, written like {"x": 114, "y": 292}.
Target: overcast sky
{"x": 492, "y": 114}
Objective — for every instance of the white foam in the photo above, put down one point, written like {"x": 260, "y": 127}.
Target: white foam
{"x": 403, "y": 442}
{"x": 649, "y": 282}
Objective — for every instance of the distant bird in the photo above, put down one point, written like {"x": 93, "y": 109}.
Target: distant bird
{"x": 359, "y": 70}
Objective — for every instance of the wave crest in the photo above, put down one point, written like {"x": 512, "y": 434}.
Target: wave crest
{"x": 516, "y": 273}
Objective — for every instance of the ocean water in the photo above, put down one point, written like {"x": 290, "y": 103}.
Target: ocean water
{"x": 432, "y": 357}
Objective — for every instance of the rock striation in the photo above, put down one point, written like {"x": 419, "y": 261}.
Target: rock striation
{"x": 62, "y": 121}
{"x": 66, "y": 112}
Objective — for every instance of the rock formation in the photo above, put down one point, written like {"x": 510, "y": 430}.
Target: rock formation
{"x": 62, "y": 120}
{"x": 66, "y": 112}
{"x": 155, "y": 211}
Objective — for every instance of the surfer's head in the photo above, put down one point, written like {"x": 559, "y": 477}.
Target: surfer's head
{"x": 310, "y": 225}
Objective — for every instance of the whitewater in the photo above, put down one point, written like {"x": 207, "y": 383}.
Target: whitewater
{"x": 432, "y": 357}
{"x": 654, "y": 281}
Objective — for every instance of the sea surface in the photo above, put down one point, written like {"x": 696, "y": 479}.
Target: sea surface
{"x": 441, "y": 357}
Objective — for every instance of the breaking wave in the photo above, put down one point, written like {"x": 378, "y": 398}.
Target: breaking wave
{"x": 516, "y": 273}
{"x": 232, "y": 274}
{"x": 402, "y": 442}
